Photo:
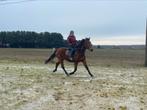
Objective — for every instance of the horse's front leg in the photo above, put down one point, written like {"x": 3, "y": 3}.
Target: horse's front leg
{"x": 85, "y": 64}
{"x": 75, "y": 68}
{"x": 62, "y": 65}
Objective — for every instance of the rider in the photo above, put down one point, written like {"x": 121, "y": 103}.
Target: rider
{"x": 72, "y": 43}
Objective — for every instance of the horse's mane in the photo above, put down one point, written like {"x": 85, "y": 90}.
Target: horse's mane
{"x": 80, "y": 43}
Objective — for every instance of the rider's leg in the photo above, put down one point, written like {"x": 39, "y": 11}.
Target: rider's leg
{"x": 73, "y": 52}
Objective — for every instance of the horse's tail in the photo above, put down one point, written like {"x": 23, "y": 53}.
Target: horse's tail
{"x": 51, "y": 57}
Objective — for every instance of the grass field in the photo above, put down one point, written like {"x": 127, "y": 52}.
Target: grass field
{"x": 120, "y": 81}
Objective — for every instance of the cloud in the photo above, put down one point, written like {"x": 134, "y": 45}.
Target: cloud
{"x": 120, "y": 40}
{"x": 106, "y": 22}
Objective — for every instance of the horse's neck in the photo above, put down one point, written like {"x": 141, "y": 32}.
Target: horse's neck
{"x": 81, "y": 50}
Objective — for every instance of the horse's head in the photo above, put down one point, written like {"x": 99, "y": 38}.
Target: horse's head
{"x": 88, "y": 44}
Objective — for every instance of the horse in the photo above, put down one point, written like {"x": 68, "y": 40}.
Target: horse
{"x": 79, "y": 56}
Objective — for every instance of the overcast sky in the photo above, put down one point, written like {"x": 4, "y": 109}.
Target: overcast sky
{"x": 105, "y": 21}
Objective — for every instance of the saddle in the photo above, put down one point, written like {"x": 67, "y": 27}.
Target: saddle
{"x": 70, "y": 52}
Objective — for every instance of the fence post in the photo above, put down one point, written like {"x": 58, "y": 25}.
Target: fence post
{"x": 146, "y": 47}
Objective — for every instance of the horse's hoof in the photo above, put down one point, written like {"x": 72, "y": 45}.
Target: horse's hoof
{"x": 45, "y": 62}
{"x": 92, "y": 76}
{"x": 54, "y": 70}
{"x": 71, "y": 73}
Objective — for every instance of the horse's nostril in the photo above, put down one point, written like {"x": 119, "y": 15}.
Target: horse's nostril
{"x": 91, "y": 50}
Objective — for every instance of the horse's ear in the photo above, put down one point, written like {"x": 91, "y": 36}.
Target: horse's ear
{"x": 88, "y": 38}
{"x": 83, "y": 40}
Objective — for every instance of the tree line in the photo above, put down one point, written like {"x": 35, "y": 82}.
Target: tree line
{"x": 27, "y": 39}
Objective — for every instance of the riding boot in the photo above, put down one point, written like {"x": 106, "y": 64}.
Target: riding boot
{"x": 72, "y": 58}
{"x": 72, "y": 55}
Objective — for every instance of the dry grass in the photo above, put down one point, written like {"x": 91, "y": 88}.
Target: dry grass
{"x": 27, "y": 84}
{"x": 100, "y": 57}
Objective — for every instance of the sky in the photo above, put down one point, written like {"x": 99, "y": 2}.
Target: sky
{"x": 106, "y": 22}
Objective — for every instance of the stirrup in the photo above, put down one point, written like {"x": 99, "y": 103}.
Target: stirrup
{"x": 71, "y": 58}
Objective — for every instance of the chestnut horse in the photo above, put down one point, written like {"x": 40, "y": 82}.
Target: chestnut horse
{"x": 79, "y": 56}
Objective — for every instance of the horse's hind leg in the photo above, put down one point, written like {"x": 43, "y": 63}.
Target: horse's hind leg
{"x": 57, "y": 64}
{"x": 62, "y": 65}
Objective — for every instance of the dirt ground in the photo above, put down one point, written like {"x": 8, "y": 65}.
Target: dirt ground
{"x": 27, "y": 84}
